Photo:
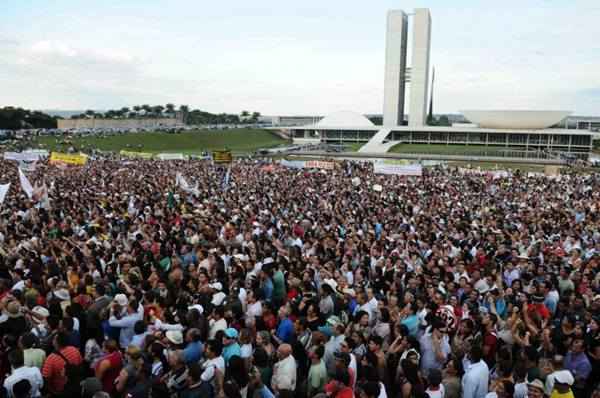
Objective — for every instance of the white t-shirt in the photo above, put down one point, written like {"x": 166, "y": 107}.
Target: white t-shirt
{"x": 439, "y": 393}
{"x": 246, "y": 350}
{"x": 209, "y": 366}
{"x": 215, "y": 326}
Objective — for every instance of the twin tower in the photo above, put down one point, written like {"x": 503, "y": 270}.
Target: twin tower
{"x": 397, "y": 74}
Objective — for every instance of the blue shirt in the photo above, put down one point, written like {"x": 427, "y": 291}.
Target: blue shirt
{"x": 193, "y": 352}
{"x": 264, "y": 392}
{"x": 268, "y": 289}
{"x": 285, "y": 330}
{"x": 412, "y": 323}
{"x": 231, "y": 350}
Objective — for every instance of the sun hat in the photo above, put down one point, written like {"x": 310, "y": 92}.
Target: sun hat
{"x": 121, "y": 299}
{"x": 536, "y": 383}
{"x": 174, "y": 336}
{"x": 564, "y": 377}
{"x": 40, "y": 312}
{"x": 62, "y": 294}
{"x": 13, "y": 309}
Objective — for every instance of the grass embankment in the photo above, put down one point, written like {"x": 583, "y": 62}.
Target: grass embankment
{"x": 241, "y": 140}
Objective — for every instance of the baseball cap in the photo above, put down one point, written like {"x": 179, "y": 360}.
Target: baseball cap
{"x": 231, "y": 333}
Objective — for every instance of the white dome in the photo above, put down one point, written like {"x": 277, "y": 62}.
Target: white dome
{"x": 505, "y": 119}
{"x": 345, "y": 119}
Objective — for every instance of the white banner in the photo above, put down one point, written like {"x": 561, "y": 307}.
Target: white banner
{"x": 319, "y": 164}
{"x": 170, "y": 156}
{"x": 22, "y": 156}
{"x": 400, "y": 170}
{"x": 25, "y": 184}
{"x": 293, "y": 164}
{"x": 3, "y": 192}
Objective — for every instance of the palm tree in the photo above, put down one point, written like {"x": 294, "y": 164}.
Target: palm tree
{"x": 158, "y": 110}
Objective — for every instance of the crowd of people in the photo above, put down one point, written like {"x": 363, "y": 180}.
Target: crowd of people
{"x": 265, "y": 281}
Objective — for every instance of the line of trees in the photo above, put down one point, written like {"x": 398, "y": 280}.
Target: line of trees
{"x": 137, "y": 111}
{"x": 194, "y": 116}
{"x": 12, "y": 118}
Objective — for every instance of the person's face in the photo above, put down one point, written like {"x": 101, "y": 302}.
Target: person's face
{"x": 577, "y": 346}
{"x": 533, "y": 392}
{"x": 373, "y": 347}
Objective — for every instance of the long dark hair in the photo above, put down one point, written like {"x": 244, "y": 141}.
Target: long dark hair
{"x": 236, "y": 371}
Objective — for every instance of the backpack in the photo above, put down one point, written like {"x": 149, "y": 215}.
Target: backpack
{"x": 74, "y": 375}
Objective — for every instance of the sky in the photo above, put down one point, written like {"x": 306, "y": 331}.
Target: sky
{"x": 293, "y": 57}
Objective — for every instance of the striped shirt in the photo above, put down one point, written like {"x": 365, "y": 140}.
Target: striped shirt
{"x": 55, "y": 367}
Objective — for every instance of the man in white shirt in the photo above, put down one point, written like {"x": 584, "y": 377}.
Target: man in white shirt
{"x": 476, "y": 379}
{"x": 21, "y": 372}
{"x": 217, "y": 322}
{"x": 135, "y": 312}
{"x": 284, "y": 371}
{"x": 213, "y": 368}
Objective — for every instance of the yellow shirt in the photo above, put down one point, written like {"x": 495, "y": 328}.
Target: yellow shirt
{"x": 556, "y": 394}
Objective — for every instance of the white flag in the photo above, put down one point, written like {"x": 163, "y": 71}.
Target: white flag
{"x": 25, "y": 184}
{"x": 40, "y": 195}
{"x": 3, "y": 192}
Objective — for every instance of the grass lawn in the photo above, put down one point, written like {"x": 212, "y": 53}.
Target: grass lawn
{"x": 241, "y": 140}
{"x": 438, "y": 149}
{"x": 354, "y": 147}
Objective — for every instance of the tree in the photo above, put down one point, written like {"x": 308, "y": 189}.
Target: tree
{"x": 170, "y": 107}
{"x": 158, "y": 110}
{"x": 146, "y": 108}
{"x": 255, "y": 116}
{"x": 124, "y": 110}
{"x": 245, "y": 114}
{"x": 90, "y": 113}
{"x": 137, "y": 108}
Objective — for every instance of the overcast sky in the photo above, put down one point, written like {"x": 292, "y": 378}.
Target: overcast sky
{"x": 293, "y": 57}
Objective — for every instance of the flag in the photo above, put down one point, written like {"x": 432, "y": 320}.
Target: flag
{"x": 3, "y": 192}
{"x": 131, "y": 209}
{"x": 181, "y": 182}
{"x": 171, "y": 200}
{"x": 40, "y": 195}
{"x": 25, "y": 184}
{"x": 226, "y": 179}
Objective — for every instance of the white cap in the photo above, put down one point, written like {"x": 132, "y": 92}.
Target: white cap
{"x": 197, "y": 307}
{"x": 564, "y": 377}
{"x": 121, "y": 299}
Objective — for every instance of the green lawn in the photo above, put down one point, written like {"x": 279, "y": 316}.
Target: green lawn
{"x": 438, "y": 149}
{"x": 241, "y": 140}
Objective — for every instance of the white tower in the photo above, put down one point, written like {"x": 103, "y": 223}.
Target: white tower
{"x": 395, "y": 68}
{"x": 419, "y": 74}
{"x": 395, "y": 78}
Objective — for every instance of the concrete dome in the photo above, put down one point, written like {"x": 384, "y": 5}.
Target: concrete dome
{"x": 345, "y": 119}
{"x": 529, "y": 120}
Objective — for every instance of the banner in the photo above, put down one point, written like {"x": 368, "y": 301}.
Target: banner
{"x": 137, "y": 155}
{"x": 3, "y": 192}
{"x": 22, "y": 156}
{"x": 319, "y": 164}
{"x": 67, "y": 158}
{"x": 27, "y": 165}
{"x": 25, "y": 184}
{"x": 292, "y": 164}
{"x": 182, "y": 183}
{"x": 222, "y": 157}
{"x": 400, "y": 170}
{"x": 170, "y": 156}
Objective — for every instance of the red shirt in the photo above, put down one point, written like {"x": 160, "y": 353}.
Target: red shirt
{"x": 111, "y": 374}
{"x": 54, "y": 368}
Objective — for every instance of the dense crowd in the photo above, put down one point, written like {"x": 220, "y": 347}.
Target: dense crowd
{"x": 264, "y": 281}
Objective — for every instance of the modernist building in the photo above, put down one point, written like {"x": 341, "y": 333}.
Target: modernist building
{"x": 513, "y": 133}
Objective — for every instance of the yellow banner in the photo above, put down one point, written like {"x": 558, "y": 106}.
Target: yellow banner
{"x": 139, "y": 155}
{"x": 222, "y": 156}
{"x": 68, "y": 158}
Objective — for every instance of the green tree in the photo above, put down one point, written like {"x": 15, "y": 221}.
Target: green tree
{"x": 255, "y": 116}
{"x": 245, "y": 114}
{"x": 170, "y": 107}
{"x": 137, "y": 108}
{"x": 90, "y": 113}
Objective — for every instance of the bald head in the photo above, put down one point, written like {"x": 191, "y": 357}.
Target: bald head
{"x": 284, "y": 351}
